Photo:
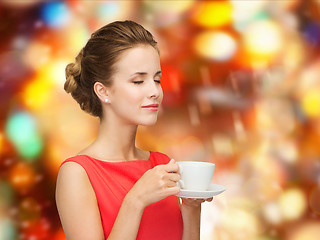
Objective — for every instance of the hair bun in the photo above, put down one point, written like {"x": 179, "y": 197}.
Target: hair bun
{"x": 73, "y": 72}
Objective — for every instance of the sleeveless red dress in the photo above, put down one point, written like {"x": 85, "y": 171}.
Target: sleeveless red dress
{"x": 111, "y": 182}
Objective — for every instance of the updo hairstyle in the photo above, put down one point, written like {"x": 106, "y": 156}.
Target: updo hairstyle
{"x": 95, "y": 62}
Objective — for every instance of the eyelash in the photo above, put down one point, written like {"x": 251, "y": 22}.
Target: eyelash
{"x": 139, "y": 82}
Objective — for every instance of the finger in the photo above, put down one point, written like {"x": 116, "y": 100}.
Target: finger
{"x": 209, "y": 199}
{"x": 171, "y": 184}
{"x": 175, "y": 177}
{"x": 172, "y": 167}
{"x": 174, "y": 190}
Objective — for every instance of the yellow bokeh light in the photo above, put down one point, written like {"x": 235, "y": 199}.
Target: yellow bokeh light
{"x": 263, "y": 37}
{"x": 292, "y": 204}
{"x": 219, "y": 46}
{"x": 311, "y": 103}
{"x": 75, "y": 38}
{"x": 213, "y": 14}
{"x": 263, "y": 41}
{"x": 38, "y": 91}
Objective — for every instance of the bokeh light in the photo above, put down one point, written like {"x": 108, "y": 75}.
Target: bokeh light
{"x": 311, "y": 103}
{"x": 213, "y": 13}
{"x": 55, "y": 13}
{"x": 22, "y": 177}
{"x": 292, "y": 204}
{"x": 1, "y": 142}
{"x": 22, "y": 131}
{"x": 262, "y": 41}
{"x": 243, "y": 13}
{"x": 218, "y": 46}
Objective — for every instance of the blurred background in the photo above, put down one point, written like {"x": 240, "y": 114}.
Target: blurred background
{"x": 241, "y": 89}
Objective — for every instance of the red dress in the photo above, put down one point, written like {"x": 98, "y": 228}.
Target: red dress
{"x": 111, "y": 182}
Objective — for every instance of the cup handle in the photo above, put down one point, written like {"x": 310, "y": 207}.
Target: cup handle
{"x": 180, "y": 184}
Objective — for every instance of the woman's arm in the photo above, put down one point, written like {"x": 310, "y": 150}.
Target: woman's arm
{"x": 155, "y": 185}
{"x": 191, "y": 214}
{"x": 78, "y": 208}
{"x": 77, "y": 204}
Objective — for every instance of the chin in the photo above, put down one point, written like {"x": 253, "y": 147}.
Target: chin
{"x": 150, "y": 122}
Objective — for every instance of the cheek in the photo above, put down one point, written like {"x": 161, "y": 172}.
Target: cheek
{"x": 129, "y": 96}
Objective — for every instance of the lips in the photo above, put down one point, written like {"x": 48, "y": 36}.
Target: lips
{"x": 152, "y": 107}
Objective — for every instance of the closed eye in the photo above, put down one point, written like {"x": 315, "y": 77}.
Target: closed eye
{"x": 138, "y": 82}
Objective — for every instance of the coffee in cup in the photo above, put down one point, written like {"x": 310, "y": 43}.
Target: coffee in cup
{"x": 195, "y": 176}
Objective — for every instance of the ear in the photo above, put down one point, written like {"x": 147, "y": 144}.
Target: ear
{"x": 101, "y": 91}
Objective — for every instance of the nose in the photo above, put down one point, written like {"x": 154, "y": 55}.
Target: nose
{"x": 154, "y": 90}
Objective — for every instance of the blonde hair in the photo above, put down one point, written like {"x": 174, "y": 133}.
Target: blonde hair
{"x": 95, "y": 62}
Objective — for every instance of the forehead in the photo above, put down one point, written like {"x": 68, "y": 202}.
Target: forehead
{"x": 143, "y": 58}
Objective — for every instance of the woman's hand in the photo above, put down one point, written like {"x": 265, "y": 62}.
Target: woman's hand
{"x": 194, "y": 203}
{"x": 156, "y": 184}
{"x": 191, "y": 214}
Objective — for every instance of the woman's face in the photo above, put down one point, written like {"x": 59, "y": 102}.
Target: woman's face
{"x": 136, "y": 93}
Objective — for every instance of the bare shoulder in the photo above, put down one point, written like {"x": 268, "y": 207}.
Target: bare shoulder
{"x": 77, "y": 203}
{"x": 71, "y": 169}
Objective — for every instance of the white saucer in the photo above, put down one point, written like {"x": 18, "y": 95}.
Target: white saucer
{"x": 213, "y": 190}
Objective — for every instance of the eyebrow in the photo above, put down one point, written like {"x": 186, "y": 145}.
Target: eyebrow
{"x": 144, "y": 73}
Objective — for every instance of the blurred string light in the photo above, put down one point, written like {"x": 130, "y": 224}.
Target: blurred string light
{"x": 163, "y": 13}
{"x": 262, "y": 42}
{"x": 22, "y": 131}
{"x": 212, "y": 14}
{"x": 292, "y": 203}
{"x": 55, "y": 14}
{"x": 214, "y": 45}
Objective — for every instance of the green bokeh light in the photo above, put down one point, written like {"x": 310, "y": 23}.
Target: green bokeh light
{"x": 22, "y": 132}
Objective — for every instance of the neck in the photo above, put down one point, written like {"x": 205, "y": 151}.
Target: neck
{"x": 115, "y": 141}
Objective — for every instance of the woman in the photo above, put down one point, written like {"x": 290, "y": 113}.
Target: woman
{"x": 112, "y": 189}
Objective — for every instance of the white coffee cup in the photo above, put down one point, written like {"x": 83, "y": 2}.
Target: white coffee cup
{"x": 195, "y": 176}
